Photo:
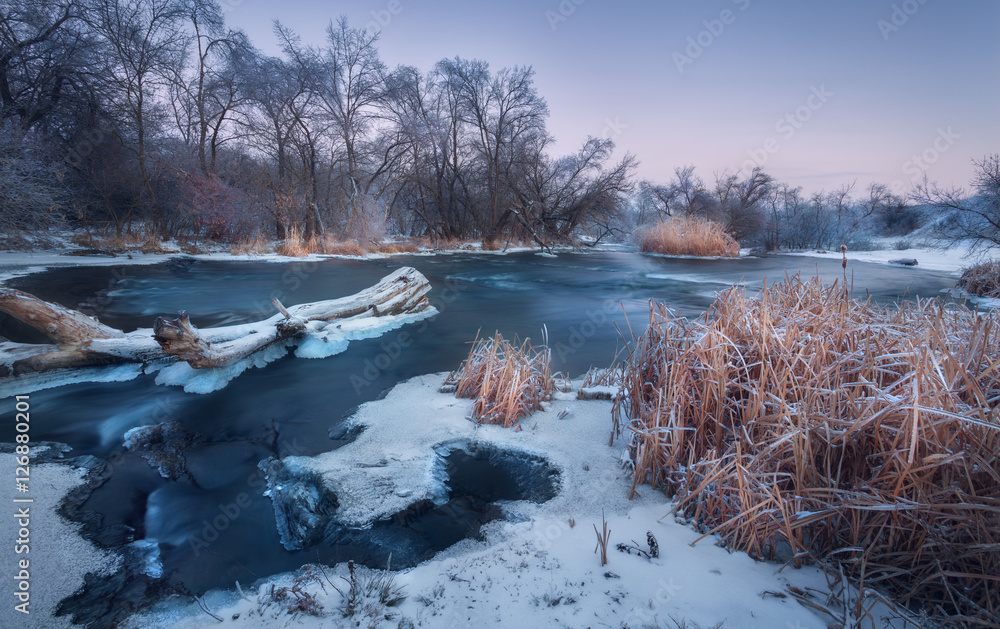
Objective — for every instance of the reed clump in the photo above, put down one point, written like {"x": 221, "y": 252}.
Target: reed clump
{"x": 982, "y": 279}
{"x": 397, "y": 246}
{"x": 294, "y": 245}
{"x": 802, "y": 423}
{"x": 344, "y": 248}
{"x": 508, "y": 381}
{"x": 689, "y": 236}
{"x": 256, "y": 246}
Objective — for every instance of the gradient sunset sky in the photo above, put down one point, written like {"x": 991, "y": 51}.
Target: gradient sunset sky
{"x": 876, "y": 90}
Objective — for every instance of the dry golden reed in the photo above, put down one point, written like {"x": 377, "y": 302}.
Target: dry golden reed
{"x": 344, "y": 248}
{"x": 294, "y": 245}
{"x": 507, "y": 381}
{"x": 689, "y": 236}
{"x": 804, "y": 423}
{"x": 982, "y": 279}
{"x": 258, "y": 245}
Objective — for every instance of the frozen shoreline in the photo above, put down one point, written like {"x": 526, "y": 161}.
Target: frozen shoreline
{"x": 58, "y": 556}
{"x": 537, "y": 568}
{"x": 951, "y": 260}
{"x": 15, "y": 264}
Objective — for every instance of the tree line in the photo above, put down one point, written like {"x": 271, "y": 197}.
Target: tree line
{"x": 116, "y": 114}
{"x": 121, "y": 112}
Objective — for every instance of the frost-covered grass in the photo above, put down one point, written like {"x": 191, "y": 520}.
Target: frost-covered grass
{"x": 982, "y": 279}
{"x": 804, "y": 423}
{"x": 689, "y": 236}
{"x": 507, "y": 381}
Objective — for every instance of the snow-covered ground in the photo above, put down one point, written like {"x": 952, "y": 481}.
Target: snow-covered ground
{"x": 538, "y": 567}
{"x": 951, "y": 260}
{"x": 58, "y": 558}
{"x": 20, "y": 263}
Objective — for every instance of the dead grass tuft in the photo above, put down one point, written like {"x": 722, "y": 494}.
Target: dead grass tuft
{"x": 807, "y": 423}
{"x": 344, "y": 248}
{"x": 256, "y": 246}
{"x": 982, "y": 279}
{"x": 689, "y": 236}
{"x": 507, "y": 381}
{"x": 396, "y": 247}
{"x": 294, "y": 245}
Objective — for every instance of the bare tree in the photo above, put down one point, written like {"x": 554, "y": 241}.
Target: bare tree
{"x": 554, "y": 198}
{"x": 209, "y": 95}
{"x": 30, "y": 197}
{"x": 689, "y": 193}
{"x": 145, "y": 45}
{"x": 44, "y": 50}
{"x": 739, "y": 201}
{"x": 505, "y": 113}
{"x": 972, "y": 216}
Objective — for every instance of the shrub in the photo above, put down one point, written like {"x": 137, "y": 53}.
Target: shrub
{"x": 981, "y": 279}
{"x": 508, "y": 381}
{"x": 858, "y": 435}
{"x": 689, "y": 236}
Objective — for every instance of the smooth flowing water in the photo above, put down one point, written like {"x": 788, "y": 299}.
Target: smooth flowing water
{"x": 295, "y": 406}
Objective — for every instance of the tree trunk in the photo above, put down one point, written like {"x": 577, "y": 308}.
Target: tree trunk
{"x": 80, "y": 341}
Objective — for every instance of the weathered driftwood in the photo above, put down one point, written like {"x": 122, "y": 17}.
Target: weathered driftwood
{"x": 81, "y": 341}
{"x": 64, "y": 326}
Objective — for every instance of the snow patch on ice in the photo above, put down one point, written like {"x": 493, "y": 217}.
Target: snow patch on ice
{"x": 334, "y": 338}
{"x": 951, "y": 260}
{"x": 149, "y": 552}
{"x": 60, "y": 557}
{"x": 209, "y": 380}
{"x": 322, "y": 340}
{"x": 21, "y": 385}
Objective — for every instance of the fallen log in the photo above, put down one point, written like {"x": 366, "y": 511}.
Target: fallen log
{"x": 63, "y": 326}
{"x": 81, "y": 341}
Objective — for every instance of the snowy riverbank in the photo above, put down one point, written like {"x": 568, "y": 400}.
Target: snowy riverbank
{"x": 536, "y": 568}
{"x": 58, "y": 557}
{"x": 951, "y": 260}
